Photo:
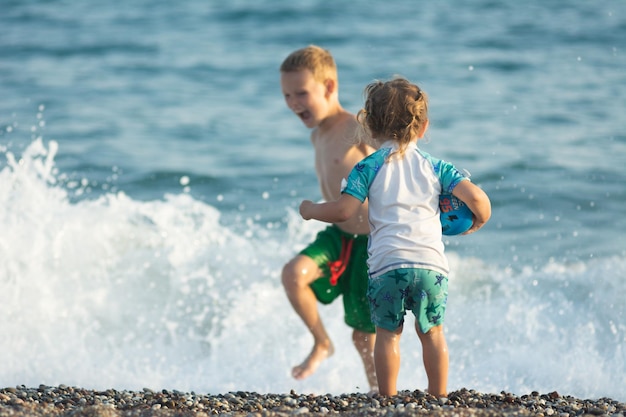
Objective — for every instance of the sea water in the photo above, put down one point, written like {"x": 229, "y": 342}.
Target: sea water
{"x": 150, "y": 175}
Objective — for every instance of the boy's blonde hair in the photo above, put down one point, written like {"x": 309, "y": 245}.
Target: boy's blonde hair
{"x": 313, "y": 58}
{"x": 394, "y": 110}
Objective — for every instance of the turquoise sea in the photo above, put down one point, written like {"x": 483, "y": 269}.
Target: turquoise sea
{"x": 150, "y": 175}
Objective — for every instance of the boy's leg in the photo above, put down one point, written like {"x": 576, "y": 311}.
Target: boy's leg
{"x": 435, "y": 356}
{"x": 387, "y": 359}
{"x": 296, "y": 277}
{"x": 364, "y": 344}
{"x": 354, "y": 284}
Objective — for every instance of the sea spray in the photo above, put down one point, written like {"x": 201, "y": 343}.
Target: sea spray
{"x": 111, "y": 291}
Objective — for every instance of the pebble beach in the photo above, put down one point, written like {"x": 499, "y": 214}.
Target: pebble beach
{"x": 72, "y": 401}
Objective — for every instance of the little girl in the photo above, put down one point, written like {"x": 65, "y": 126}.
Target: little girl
{"x": 407, "y": 266}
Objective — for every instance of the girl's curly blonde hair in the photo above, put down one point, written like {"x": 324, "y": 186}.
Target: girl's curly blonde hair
{"x": 394, "y": 110}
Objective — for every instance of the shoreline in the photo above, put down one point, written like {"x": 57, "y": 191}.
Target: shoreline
{"x": 68, "y": 401}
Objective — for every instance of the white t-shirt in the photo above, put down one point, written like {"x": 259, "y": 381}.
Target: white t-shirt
{"x": 403, "y": 193}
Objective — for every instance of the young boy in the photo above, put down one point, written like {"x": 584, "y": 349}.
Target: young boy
{"x": 336, "y": 262}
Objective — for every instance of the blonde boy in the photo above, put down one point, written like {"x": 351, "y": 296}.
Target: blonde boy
{"x": 335, "y": 263}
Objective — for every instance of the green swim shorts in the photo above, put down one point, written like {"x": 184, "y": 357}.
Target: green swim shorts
{"x": 352, "y": 282}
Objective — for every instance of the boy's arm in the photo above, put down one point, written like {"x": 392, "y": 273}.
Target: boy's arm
{"x": 477, "y": 201}
{"x": 337, "y": 211}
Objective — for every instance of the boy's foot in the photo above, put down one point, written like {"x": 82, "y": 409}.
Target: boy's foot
{"x": 312, "y": 362}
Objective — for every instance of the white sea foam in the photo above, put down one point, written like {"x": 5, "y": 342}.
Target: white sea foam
{"x": 115, "y": 292}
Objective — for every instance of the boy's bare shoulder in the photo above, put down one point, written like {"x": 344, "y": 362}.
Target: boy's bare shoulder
{"x": 342, "y": 126}
{"x": 349, "y": 120}
{"x": 352, "y": 134}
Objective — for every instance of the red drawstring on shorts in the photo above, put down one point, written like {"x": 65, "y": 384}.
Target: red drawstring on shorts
{"x": 339, "y": 266}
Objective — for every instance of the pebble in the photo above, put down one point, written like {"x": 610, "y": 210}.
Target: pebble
{"x": 66, "y": 401}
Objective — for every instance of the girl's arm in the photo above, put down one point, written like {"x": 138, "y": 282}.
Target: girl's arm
{"x": 336, "y": 211}
{"x": 477, "y": 201}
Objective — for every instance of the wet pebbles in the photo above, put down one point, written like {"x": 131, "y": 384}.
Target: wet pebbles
{"x": 74, "y": 402}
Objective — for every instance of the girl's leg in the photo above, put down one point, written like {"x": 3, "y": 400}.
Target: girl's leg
{"x": 435, "y": 356}
{"x": 387, "y": 359}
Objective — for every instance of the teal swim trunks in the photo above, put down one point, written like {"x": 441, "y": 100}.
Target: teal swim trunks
{"x": 422, "y": 291}
{"x": 330, "y": 246}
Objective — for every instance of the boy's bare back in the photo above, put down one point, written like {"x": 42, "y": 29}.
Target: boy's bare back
{"x": 337, "y": 151}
